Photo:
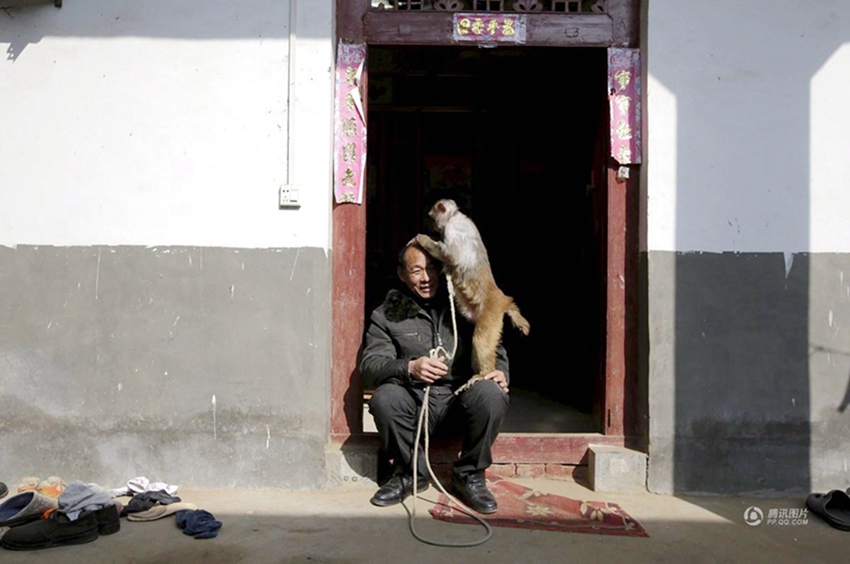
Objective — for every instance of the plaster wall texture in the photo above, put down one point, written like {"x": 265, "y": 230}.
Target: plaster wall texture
{"x": 152, "y": 123}
{"x": 746, "y": 246}
{"x": 162, "y": 316}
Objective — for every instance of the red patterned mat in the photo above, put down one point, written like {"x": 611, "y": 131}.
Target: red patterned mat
{"x": 524, "y": 508}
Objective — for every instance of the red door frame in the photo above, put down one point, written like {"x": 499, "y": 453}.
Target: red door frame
{"x": 356, "y": 24}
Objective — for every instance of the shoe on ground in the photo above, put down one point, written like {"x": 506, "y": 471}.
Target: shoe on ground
{"x": 3, "y": 490}
{"x": 28, "y": 484}
{"x": 107, "y": 518}
{"x": 473, "y": 492}
{"x": 832, "y": 507}
{"x": 22, "y": 508}
{"x": 56, "y": 530}
{"x": 397, "y": 489}
{"x": 52, "y": 487}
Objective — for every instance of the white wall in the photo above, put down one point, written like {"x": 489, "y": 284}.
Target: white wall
{"x": 164, "y": 123}
{"x": 747, "y": 122}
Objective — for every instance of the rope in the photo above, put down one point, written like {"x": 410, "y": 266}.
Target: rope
{"x": 423, "y": 416}
{"x": 451, "y": 289}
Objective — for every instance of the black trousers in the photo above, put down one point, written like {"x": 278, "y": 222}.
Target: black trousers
{"x": 475, "y": 414}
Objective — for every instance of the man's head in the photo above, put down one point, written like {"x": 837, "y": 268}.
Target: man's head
{"x": 419, "y": 271}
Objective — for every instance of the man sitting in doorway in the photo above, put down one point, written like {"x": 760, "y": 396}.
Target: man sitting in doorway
{"x": 397, "y": 362}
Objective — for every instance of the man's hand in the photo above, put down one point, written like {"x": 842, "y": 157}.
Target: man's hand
{"x": 427, "y": 370}
{"x": 499, "y": 377}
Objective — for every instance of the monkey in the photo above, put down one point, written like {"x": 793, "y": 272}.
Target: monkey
{"x": 465, "y": 258}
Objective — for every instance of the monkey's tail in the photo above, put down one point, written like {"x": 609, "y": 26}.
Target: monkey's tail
{"x": 517, "y": 319}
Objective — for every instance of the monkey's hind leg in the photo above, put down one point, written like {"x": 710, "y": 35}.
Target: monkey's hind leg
{"x": 485, "y": 339}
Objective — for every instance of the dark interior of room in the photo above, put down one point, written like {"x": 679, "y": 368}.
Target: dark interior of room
{"x": 517, "y": 137}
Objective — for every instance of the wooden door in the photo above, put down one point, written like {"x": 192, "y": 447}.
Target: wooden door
{"x": 356, "y": 23}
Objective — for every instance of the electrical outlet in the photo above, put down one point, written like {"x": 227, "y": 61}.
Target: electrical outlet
{"x": 288, "y": 197}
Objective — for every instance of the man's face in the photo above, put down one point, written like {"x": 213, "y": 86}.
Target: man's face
{"x": 420, "y": 273}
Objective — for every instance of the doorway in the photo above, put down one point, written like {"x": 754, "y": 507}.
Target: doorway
{"x": 518, "y": 137}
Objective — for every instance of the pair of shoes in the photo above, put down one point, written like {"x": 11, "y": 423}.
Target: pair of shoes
{"x": 472, "y": 491}
{"x": 397, "y": 489}
{"x": 51, "y": 487}
{"x": 56, "y": 530}
{"x": 832, "y": 507}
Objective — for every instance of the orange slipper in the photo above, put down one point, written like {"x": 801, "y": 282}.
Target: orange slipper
{"x": 28, "y": 484}
{"x": 52, "y": 487}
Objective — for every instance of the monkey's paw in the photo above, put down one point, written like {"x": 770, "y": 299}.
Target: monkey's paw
{"x": 423, "y": 240}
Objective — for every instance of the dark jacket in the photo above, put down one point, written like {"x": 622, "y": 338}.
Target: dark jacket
{"x": 401, "y": 330}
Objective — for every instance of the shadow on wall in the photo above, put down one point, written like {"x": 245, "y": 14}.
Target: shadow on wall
{"x": 26, "y": 22}
{"x": 846, "y": 401}
{"x": 742, "y": 383}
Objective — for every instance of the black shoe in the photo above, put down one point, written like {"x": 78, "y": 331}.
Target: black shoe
{"x": 472, "y": 491}
{"x": 107, "y": 519}
{"x": 56, "y": 530}
{"x": 397, "y": 489}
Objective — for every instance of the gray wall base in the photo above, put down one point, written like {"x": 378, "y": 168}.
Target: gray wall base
{"x": 351, "y": 467}
{"x": 200, "y": 367}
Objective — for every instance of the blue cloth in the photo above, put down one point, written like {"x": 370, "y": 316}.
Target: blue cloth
{"x": 79, "y": 497}
{"x": 199, "y": 523}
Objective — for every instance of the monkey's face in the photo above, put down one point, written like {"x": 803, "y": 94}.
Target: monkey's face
{"x": 441, "y": 212}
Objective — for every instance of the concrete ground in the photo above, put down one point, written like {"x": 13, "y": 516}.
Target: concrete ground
{"x": 278, "y": 526}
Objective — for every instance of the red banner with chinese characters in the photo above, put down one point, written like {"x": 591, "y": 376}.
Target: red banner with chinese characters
{"x": 489, "y": 28}
{"x": 350, "y": 125}
{"x": 624, "y": 102}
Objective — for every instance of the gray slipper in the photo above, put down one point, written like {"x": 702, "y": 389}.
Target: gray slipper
{"x": 160, "y": 511}
{"x": 24, "y": 507}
